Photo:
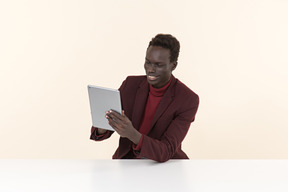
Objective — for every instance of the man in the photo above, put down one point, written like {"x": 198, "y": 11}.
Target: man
{"x": 157, "y": 108}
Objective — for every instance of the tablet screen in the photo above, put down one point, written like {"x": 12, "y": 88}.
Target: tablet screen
{"x": 101, "y": 100}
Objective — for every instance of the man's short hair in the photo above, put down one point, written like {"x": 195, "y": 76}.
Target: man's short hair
{"x": 167, "y": 41}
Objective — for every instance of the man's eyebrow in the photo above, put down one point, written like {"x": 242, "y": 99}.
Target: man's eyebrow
{"x": 147, "y": 60}
{"x": 159, "y": 62}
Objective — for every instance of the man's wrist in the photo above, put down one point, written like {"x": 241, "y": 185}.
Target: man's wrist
{"x": 101, "y": 131}
{"x": 135, "y": 138}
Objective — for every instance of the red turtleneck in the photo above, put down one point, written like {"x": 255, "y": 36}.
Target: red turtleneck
{"x": 154, "y": 98}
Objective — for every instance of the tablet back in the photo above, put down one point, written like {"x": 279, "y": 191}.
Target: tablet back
{"x": 102, "y": 100}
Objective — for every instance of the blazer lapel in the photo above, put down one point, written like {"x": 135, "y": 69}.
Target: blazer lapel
{"x": 140, "y": 104}
{"x": 165, "y": 102}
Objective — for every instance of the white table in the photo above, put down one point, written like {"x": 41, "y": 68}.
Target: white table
{"x": 144, "y": 175}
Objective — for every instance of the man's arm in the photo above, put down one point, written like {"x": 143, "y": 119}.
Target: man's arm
{"x": 101, "y": 131}
{"x": 98, "y": 134}
{"x": 164, "y": 148}
{"x": 167, "y": 145}
{"x": 123, "y": 126}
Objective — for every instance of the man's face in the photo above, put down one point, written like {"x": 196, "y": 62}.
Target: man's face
{"x": 158, "y": 66}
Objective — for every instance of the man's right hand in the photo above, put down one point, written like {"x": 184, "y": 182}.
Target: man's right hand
{"x": 101, "y": 131}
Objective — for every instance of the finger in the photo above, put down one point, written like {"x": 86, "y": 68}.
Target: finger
{"x": 124, "y": 116}
{"x": 113, "y": 115}
{"x": 108, "y": 116}
{"x": 113, "y": 111}
{"x": 118, "y": 117}
{"x": 113, "y": 125}
{"x": 111, "y": 121}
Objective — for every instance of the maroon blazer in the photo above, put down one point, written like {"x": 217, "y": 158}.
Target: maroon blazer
{"x": 170, "y": 124}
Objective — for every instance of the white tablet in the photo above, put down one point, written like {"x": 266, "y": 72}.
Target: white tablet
{"x": 102, "y": 100}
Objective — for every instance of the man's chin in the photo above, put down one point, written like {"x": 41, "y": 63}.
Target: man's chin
{"x": 153, "y": 83}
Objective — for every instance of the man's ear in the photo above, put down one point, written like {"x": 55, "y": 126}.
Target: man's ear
{"x": 174, "y": 65}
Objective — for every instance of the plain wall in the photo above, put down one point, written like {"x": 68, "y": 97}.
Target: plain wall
{"x": 233, "y": 55}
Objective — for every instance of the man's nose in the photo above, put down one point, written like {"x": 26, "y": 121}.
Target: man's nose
{"x": 151, "y": 68}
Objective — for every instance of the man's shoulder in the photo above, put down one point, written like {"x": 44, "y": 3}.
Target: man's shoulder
{"x": 183, "y": 90}
{"x": 135, "y": 79}
{"x": 133, "y": 82}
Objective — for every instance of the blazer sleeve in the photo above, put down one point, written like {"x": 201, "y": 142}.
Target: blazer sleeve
{"x": 164, "y": 148}
{"x": 96, "y": 137}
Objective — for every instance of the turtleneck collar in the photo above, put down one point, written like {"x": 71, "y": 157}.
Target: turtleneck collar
{"x": 159, "y": 92}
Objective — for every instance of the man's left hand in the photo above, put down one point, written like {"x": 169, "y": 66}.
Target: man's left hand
{"x": 123, "y": 126}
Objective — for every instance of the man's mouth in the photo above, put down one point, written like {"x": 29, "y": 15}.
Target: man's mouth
{"x": 151, "y": 78}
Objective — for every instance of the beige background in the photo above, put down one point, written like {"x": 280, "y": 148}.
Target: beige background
{"x": 233, "y": 54}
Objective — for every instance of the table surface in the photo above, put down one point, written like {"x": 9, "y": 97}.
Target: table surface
{"x": 144, "y": 175}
